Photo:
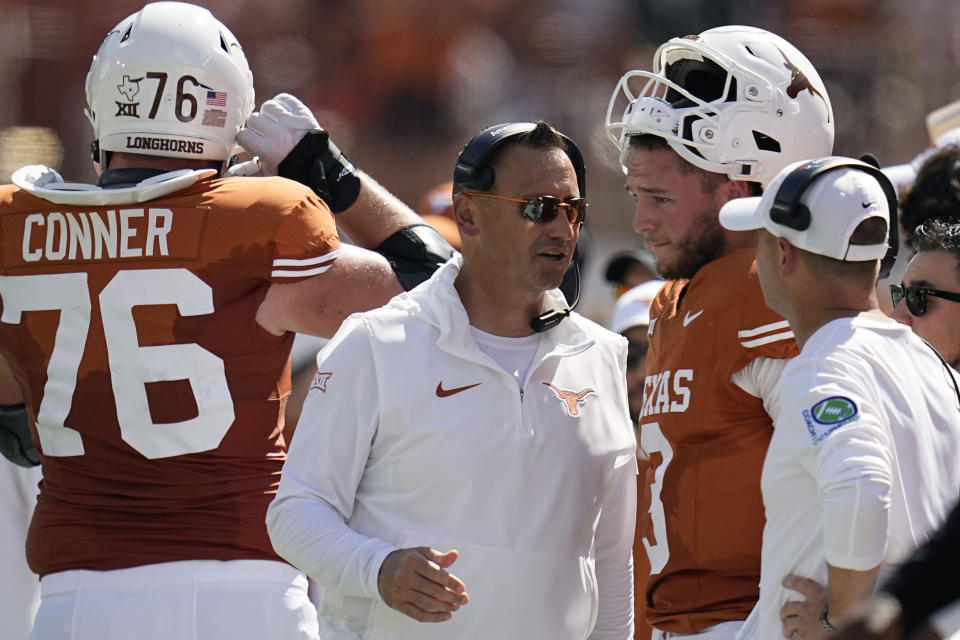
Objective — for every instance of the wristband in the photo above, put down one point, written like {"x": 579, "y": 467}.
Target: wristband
{"x": 824, "y": 622}
{"x": 319, "y": 164}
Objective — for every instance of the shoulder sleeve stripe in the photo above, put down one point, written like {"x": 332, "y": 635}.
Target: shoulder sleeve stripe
{"x": 305, "y": 262}
{"x": 301, "y": 273}
{"x": 773, "y": 326}
{"x": 749, "y": 344}
{"x": 303, "y": 268}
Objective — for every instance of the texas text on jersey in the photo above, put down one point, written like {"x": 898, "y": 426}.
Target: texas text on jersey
{"x": 132, "y": 333}
{"x": 697, "y": 426}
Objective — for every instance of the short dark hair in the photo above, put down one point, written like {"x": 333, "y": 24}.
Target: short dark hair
{"x": 870, "y": 231}
{"x": 939, "y": 235}
{"x": 709, "y": 180}
{"x": 873, "y": 230}
{"x": 935, "y": 192}
{"x": 542, "y": 136}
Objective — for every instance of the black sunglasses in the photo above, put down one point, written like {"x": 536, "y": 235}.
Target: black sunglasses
{"x": 545, "y": 208}
{"x": 917, "y": 297}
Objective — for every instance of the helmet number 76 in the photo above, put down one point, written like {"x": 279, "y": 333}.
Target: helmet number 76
{"x": 183, "y": 97}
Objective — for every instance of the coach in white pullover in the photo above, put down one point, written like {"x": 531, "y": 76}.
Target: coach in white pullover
{"x": 455, "y": 473}
{"x": 862, "y": 465}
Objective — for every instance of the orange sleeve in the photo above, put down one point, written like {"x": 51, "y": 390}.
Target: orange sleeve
{"x": 306, "y": 241}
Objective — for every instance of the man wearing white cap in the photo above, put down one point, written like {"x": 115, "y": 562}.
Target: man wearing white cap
{"x": 631, "y": 312}
{"x": 631, "y": 319}
{"x": 861, "y": 467}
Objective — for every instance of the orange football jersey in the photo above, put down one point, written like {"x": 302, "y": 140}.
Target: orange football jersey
{"x": 157, "y": 400}
{"x": 700, "y": 517}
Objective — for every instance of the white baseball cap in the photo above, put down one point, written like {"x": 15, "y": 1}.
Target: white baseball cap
{"x": 632, "y": 309}
{"x": 837, "y": 200}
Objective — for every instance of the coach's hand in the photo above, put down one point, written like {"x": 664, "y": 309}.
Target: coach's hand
{"x": 800, "y": 619}
{"x": 291, "y": 143}
{"x": 415, "y": 582}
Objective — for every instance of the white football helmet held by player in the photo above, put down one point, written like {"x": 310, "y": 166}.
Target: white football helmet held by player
{"x": 735, "y": 100}
{"x": 170, "y": 80}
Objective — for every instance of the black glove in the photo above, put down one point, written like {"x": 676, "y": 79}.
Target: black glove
{"x": 318, "y": 163}
{"x": 16, "y": 445}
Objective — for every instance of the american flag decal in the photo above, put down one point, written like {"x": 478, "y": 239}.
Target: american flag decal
{"x": 217, "y": 98}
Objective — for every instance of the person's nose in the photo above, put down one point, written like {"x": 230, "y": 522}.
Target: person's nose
{"x": 561, "y": 227}
{"x": 644, "y": 220}
{"x": 902, "y": 315}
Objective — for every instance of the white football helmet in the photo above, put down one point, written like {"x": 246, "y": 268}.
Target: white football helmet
{"x": 735, "y": 100}
{"x": 169, "y": 80}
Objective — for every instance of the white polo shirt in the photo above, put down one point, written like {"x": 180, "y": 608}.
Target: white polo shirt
{"x": 862, "y": 464}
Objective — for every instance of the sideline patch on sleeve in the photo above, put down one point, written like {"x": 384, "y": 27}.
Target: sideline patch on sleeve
{"x": 828, "y": 415}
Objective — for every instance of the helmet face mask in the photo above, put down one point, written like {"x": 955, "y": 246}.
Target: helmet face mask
{"x": 170, "y": 80}
{"x": 734, "y": 100}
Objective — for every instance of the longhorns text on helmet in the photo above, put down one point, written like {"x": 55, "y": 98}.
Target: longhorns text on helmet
{"x": 170, "y": 80}
{"x": 773, "y": 108}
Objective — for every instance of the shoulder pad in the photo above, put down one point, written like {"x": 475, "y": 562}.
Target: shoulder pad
{"x": 46, "y": 183}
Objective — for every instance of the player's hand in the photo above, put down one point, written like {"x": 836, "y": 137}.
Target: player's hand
{"x": 275, "y": 130}
{"x": 244, "y": 169}
{"x": 415, "y": 582}
{"x": 800, "y": 619}
{"x": 291, "y": 143}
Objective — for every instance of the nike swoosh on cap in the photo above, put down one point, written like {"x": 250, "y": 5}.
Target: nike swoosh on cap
{"x": 443, "y": 393}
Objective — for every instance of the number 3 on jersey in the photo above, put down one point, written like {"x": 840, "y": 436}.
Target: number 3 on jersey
{"x": 652, "y": 440}
{"x": 131, "y": 366}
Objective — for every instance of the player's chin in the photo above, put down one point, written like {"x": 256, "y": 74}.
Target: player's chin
{"x": 662, "y": 254}
{"x": 667, "y": 265}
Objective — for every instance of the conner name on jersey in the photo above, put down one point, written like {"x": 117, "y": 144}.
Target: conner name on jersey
{"x": 667, "y": 392}
{"x": 120, "y": 233}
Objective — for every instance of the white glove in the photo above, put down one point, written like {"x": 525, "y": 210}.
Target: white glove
{"x": 38, "y": 175}
{"x": 275, "y": 130}
{"x": 248, "y": 168}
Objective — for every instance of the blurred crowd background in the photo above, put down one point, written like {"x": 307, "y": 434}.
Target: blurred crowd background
{"x": 403, "y": 84}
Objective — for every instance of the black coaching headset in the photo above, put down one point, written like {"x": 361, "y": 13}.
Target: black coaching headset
{"x": 474, "y": 173}
{"x": 790, "y": 212}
